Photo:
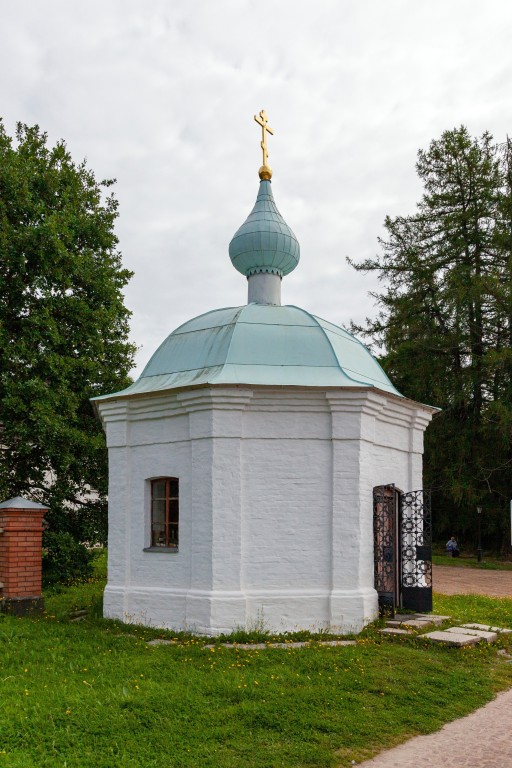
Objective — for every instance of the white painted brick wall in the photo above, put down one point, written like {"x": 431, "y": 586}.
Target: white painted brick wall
{"x": 276, "y": 520}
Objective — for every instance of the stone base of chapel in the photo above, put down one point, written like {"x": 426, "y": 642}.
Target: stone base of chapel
{"x": 222, "y": 612}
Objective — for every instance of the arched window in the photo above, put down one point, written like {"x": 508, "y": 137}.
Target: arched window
{"x": 165, "y": 512}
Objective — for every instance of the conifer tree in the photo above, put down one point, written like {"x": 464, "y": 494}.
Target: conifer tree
{"x": 445, "y": 324}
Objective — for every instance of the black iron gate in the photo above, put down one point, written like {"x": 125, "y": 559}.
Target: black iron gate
{"x": 402, "y": 549}
{"x": 386, "y": 554}
{"x": 416, "y": 532}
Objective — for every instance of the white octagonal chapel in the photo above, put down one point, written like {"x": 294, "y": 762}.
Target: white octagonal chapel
{"x": 262, "y": 430}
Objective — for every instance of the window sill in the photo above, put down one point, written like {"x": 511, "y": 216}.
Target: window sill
{"x": 160, "y": 549}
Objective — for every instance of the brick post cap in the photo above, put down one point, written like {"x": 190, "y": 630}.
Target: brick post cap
{"x": 20, "y": 503}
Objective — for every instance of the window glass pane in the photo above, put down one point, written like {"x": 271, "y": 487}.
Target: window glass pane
{"x": 173, "y": 488}
{"x": 174, "y": 510}
{"x": 173, "y": 536}
{"x": 158, "y": 489}
{"x": 159, "y": 511}
{"x": 158, "y": 536}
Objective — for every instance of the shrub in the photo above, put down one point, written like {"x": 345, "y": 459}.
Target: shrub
{"x": 65, "y": 560}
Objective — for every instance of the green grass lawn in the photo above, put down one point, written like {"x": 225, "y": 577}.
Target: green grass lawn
{"x": 94, "y": 694}
{"x": 470, "y": 561}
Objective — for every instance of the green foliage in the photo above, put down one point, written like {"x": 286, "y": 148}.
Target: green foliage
{"x": 63, "y": 329}
{"x": 65, "y": 560}
{"x": 445, "y": 325}
{"x": 117, "y": 701}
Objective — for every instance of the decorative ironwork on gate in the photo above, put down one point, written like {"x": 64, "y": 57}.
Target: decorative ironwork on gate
{"x": 384, "y": 533}
{"x": 402, "y": 529}
{"x": 416, "y": 550}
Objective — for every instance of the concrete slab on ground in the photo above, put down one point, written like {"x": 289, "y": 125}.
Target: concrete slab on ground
{"x": 433, "y": 617}
{"x": 451, "y": 638}
{"x": 417, "y": 620}
{"x": 264, "y": 646}
{"x": 287, "y": 645}
{"x": 395, "y": 631}
{"x": 485, "y": 628}
{"x": 420, "y": 623}
{"x": 489, "y": 637}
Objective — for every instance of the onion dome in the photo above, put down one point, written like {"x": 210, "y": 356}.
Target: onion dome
{"x": 264, "y": 242}
{"x": 261, "y": 343}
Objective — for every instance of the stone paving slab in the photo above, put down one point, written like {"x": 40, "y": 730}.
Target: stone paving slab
{"x": 252, "y": 646}
{"x": 451, "y": 638}
{"x": 432, "y": 617}
{"x": 489, "y": 637}
{"x": 480, "y": 740}
{"x": 399, "y": 624}
{"x": 263, "y": 646}
{"x": 395, "y": 631}
{"x": 287, "y": 645}
{"x": 420, "y": 623}
{"x": 417, "y": 620}
{"x": 435, "y": 619}
{"x": 499, "y": 630}
{"x": 394, "y": 623}
{"x": 416, "y": 623}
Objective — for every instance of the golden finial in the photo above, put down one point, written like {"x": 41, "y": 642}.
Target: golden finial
{"x": 265, "y": 171}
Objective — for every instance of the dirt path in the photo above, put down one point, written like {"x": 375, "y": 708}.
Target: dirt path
{"x": 450, "y": 580}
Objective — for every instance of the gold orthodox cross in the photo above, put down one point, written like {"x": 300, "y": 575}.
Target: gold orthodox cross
{"x": 265, "y": 170}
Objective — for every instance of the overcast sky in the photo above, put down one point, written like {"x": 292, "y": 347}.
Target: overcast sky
{"x": 161, "y": 95}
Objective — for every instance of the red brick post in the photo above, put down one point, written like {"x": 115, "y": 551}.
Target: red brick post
{"x": 21, "y": 556}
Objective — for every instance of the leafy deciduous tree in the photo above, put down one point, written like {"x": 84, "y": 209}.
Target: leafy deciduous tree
{"x": 63, "y": 329}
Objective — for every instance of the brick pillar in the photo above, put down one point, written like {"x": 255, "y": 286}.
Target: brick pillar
{"x": 21, "y": 552}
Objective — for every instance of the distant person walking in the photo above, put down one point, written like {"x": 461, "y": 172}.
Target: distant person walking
{"x": 452, "y": 548}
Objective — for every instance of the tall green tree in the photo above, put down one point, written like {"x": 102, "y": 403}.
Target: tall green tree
{"x": 445, "y": 323}
{"x": 63, "y": 329}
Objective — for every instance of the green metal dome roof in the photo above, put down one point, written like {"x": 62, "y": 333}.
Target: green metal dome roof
{"x": 259, "y": 344}
{"x": 264, "y": 242}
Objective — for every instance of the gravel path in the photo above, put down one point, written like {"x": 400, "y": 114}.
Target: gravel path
{"x": 482, "y": 739}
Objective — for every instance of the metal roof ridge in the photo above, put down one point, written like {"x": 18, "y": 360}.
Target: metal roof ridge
{"x": 358, "y": 381}
{"x": 350, "y": 337}
{"x": 226, "y": 357}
